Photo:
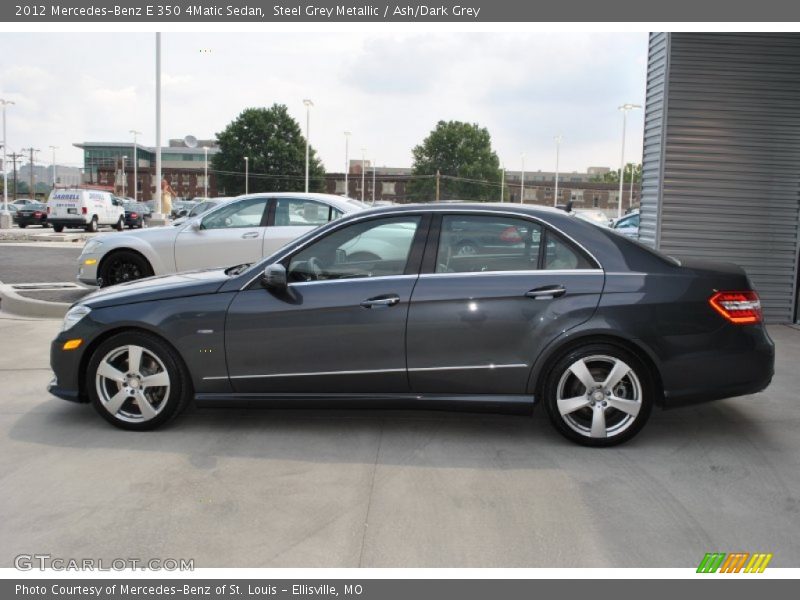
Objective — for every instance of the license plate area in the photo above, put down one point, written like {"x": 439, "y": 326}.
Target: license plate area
{"x": 72, "y": 211}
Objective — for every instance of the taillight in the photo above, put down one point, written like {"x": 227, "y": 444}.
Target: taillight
{"x": 38, "y": 214}
{"x": 134, "y": 215}
{"x": 84, "y": 210}
{"x": 737, "y": 307}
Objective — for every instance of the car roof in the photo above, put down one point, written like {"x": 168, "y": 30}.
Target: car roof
{"x": 341, "y": 202}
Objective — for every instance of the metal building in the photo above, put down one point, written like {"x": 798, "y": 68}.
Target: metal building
{"x": 721, "y": 164}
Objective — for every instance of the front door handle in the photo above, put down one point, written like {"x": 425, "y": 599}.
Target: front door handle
{"x": 381, "y": 301}
{"x": 547, "y": 292}
{"x": 250, "y": 235}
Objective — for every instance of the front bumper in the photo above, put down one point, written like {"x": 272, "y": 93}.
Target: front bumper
{"x": 87, "y": 268}
{"x": 66, "y": 366}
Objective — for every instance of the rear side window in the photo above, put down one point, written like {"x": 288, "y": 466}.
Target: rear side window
{"x": 477, "y": 244}
{"x": 302, "y": 213}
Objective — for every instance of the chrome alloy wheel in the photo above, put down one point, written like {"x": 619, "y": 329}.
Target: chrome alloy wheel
{"x": 132, "y": 384}
{"x": 599, "y": 396}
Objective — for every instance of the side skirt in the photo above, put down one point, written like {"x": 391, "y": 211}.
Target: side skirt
{"x": 516, "y": 404}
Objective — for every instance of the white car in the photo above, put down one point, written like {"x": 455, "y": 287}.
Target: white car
{"x": 598, "y": 217}
{"x": 86, "y": 209}
{"x": 239, "y": 231}
{"x": 628, "y": 225}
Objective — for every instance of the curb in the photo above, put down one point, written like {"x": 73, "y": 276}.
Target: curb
{"x": 14, "y": 303}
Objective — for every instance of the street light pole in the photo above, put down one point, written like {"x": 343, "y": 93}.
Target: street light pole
{"x": 135, "y": 166}
{"x": 346, "y": 163}
{"x": 363, "y": 165}
{"x": 246, "y": 175}
{"x": 624, "y": 108}
{"x": 558, "y": 139}
{"x": 522, "y": 181}
{"x": 6, "y": 214}
{"x": 54, "y": 148}
{"x": 630, "y": 195}
{"x": 308, "y": 104}
{"x": 124, "y": 180}
{"x": 158, "y": 125}
{"x": 503, "y": 185}
{"x": 205, "y": 173}
{"x": 374, "y": 167}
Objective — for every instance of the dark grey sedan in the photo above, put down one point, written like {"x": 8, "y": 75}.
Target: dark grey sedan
{"x": 488, "y": 306}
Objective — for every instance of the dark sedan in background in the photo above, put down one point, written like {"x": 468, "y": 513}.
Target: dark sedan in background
{"x": 135, "y": 215}
{"x": 32, "y": 213}
{"x": 386, "y": 306}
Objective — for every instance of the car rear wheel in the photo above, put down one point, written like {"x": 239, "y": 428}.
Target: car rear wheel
{"x": 598, "y": 395}
{"x": 92, "y": 226}
{"x": 120, "y": 224}
{"x": 58, "y": 228}
{"x": 21, "y": 226}
{"x": 137, "y": 382}
{"x": 123, "y": 266}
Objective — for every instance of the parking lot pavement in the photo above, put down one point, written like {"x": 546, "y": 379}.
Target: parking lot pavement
{"x": 261, "y": 487}
{"x": 37, "y": 263}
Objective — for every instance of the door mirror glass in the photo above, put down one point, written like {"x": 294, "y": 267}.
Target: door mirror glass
{"x": 274, "y": 276}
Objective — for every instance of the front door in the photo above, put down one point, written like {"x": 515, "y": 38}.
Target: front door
{"x": 230, "y": 235}
{"x": 500, "y": 289}
{"x": 339, "y": 327}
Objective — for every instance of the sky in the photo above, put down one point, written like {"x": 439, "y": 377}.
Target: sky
{"x": 388, "y": 89}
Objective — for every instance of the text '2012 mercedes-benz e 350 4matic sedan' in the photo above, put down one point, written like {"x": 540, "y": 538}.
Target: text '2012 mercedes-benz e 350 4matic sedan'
{"x": 438, "y": 305}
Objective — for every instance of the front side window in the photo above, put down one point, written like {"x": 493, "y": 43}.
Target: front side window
{"x": 246, "y": 213}
{"x": 376, "y": 248}
{"x": 470, "y": 244}
{"x": 303, "y": 213}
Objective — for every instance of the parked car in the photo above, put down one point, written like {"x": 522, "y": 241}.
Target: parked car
{"x": 201, "y": 207}
{"x": 86, "y": 209}
{"x": 33, "y": 213}
{"x": 594, "y": 326}
{"x": 240, "y": 231}
{"x": 23, "y": 201}
{"x": 628, "y": 225}
{"x": 181, "y": 208}
{"x": 598, "y": 217}
{"x": 135, "y": 214}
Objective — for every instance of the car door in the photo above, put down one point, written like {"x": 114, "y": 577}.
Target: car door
{"x": 225, "y": 237}
{"x": 339, "y": 326}
{"x": 290, "y": 217}
{"x": 494, "y": 290}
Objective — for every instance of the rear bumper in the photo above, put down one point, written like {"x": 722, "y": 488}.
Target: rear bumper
{"x": 74, "y": 222}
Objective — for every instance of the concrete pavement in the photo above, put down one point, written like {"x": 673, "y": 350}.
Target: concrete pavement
{"x": 342, "y": 488}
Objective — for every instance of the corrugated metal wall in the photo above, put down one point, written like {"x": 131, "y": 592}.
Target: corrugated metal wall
{"x": 722, "y": 170}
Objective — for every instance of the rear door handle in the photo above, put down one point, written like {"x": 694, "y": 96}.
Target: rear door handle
{"x": 547, "y": 292}
{"x": 381, "y": 301}
{"x": 250, "y": 235}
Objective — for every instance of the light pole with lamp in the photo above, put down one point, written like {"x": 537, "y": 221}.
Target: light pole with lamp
{"x": 624, "y": 108}
{"x": 205, "y": 173}
{"x": 346, "y": 163}
{"x": 124, "y": 179}
{"x": 135, "y": 166}
{"x": 558, "y": 139}
{"x": 5, "y": 216}
{"x": 54, "y": 148}
{"x": 308, "y": 104}
{"x": 246, "y": 175}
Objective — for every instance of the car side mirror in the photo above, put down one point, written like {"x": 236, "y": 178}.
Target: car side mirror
{"x": 274, "y": 277}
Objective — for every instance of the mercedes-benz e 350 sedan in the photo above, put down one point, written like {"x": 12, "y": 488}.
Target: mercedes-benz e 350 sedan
{"x": 482, "y": 305}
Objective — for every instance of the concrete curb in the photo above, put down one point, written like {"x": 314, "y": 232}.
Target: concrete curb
{"x": 14, "y": 303}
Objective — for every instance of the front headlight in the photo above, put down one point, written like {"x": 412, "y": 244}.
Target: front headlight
{"x": 75, "y": 314}
{"x": 91, "y": 246}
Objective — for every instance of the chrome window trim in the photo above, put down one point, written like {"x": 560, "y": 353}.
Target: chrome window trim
{"x": 371, "y": 371}
{"x": 344, "y": 279}
{"x": 528, "y": 273}
{"x": 437, "y": 209}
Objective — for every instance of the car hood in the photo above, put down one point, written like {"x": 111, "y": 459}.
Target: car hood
{"x": 180, "y": 285}
{"x": 163, "y": 232}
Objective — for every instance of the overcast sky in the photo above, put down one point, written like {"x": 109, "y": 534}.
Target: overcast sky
{"x": 389, "y": 89}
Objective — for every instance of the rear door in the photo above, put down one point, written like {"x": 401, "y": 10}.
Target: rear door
{"x": 229, "y": 236}
{"x": 65, "y": 205}
{"x": 494, "y": 291}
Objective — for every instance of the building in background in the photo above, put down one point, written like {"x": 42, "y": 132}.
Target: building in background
{"x": 184, "y": 168}
{"x": 721, "y": 165}
{"x": 43, "y": 174}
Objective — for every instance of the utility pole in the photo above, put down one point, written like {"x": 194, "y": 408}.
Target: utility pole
{"x": 32, "y": 178}
{"x": 438, "y": 177}
{"x": 558, "y": 139}
{"x": 374, "y": 167}
{"x": 14, "y": 157}
{"x": 54, "y": 148}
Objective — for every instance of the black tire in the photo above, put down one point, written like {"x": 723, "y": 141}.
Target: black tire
{"x": 92, "y": 226}
{"x": 169, "y": 401}
{"x": 21, "y": 226}
{"x": 635, "y": 386}
{"x": 58, "y": 228}
{"x": 120, "y": 224}
{"x": 122, "y": 266}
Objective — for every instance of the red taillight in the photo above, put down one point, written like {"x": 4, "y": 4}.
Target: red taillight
{"x": 510, "y": 235}
{"x": 737, "y": 307}
{"x": 134, "y": 215}
{"x": 38, "y": 214}
{"x": 84, "y": 210}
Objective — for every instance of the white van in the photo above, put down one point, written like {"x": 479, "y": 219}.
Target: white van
{"x": 87, "y": 209}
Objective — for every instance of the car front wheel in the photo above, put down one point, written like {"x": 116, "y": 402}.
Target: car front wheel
{"x": 137, "y": 382}
{"x": 598, "y": 395}
{"x": 122, "y": 266}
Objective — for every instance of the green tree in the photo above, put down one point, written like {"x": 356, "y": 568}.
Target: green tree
{"x": 613, "y": 176}
{"x": 276, "y": 150}
{"x": 462, "y": 154}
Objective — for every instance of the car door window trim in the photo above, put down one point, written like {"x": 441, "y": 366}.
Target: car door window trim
{"x": 515, "y": 273}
